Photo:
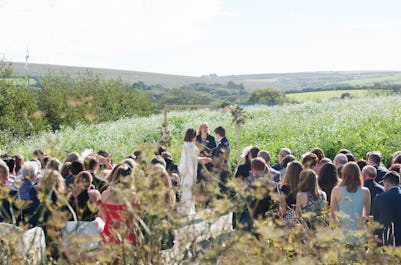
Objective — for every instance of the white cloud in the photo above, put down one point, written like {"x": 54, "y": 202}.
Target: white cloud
{"x": 64, "y": 31}
{"x": 370, "y": 26}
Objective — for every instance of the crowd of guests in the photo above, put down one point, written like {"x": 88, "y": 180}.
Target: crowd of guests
{"x": 93, "y": 188}
{"x": 344, "y": 190}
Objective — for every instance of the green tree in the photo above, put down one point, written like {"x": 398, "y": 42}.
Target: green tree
{"x": 20, "y": 115}
{"x": 268, "y": 95}
{"x": 88, "y": 97}
{"x": 184, "y": 97}
{"x": 53, "y": 98}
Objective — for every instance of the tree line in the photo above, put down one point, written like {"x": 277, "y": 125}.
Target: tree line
{"x": 196, "y": 93}
{"x": 62, "y": 100}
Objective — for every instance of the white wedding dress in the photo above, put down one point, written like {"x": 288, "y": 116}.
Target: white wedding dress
{"x": 188, "y": 170}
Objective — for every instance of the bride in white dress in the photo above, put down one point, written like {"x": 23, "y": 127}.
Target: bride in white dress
{"x": 188, "y": 170}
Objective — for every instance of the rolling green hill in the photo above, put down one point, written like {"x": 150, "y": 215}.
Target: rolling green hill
{"x": 283, "y": 81}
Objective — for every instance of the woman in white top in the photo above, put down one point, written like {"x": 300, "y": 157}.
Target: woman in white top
{"x": 188, "y": 170}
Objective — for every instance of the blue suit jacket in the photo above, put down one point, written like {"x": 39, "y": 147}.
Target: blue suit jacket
{"x": 387, "y": 210}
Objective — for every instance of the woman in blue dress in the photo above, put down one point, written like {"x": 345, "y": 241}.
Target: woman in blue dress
{"x": 351, "y": 199}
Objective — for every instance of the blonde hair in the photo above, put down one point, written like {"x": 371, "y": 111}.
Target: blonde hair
{"x": 52, "y": 180}
{"x": 161, "y": 184}
{"x": 202, "y": 125}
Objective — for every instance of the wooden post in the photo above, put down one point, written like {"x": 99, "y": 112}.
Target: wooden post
{"x": 165, "y": 117}
{"x": 238, "y": 143}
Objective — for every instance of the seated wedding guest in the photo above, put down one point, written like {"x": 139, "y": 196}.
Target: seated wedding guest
{"x": 38, "y": 154}
{"x": 65, "y": 170}
{"x": 244, "y": 169}
{"x": 369, "y": 175}
{"x": 374, "y": 159}
{"x": 339, "y": 161}
{"x": 289, "y": 190}
{"x": 72, "y": 156}
{"x": 79, "y": 198}
{"x": 19, "y": 162}
{"x": 319, "y": 153}
{"x": 105, "y": 158}
{"x": 118, "y": 205}
{"x": 54, "y": 164}
{"x": 29, "y": 172}
{"x": 7, "y": 195}
{"x": 361, "y": 163}
{"x": 10, "y": 162}
{"x": 160, "y": 184}
{"x": 387, "y": 209}
{"x": 283, "y": 164}
{"x": 273, "y": 174}
{"x": 75, "y": 167}
{"x": 99, "y": 183}
{"x": 259, "y": 199}
{"x": 351, "y": 198}
{"x": 395, "y": 167}
{"x": 172, "y": 171}
{"x": 328, "y": 179}
{"x": 310, "y": 161}
{"x": 281, "y": 155}
{"x": 310, "y": 199}
{"x": 51, "y": 186}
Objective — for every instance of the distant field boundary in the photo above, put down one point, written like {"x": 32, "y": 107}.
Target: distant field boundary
{"x": 330, "y": 94}
{"x": 283, "y": 81}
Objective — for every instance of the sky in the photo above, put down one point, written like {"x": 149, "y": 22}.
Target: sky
{"x": 197, "y": 37}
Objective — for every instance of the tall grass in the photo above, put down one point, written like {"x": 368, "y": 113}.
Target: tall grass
{"x": 360, "y": 125}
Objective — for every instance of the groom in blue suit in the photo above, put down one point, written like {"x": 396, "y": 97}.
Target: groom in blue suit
{"x": 387, "y": 209}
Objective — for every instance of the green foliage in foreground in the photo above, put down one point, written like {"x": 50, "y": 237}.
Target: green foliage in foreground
{"x": 360, "y": 125}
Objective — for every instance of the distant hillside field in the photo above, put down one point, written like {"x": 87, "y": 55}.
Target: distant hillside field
{"x": 169, "y": 81}
{"x": 283, "y": 81}
{"x": 330, "y": 94}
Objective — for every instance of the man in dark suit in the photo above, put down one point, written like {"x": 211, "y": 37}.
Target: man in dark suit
{"x": 369, "y": 176}
{"x": 387, "y": 209}
{"x": 281, "y": 155}
{"x": 224, "y": 144}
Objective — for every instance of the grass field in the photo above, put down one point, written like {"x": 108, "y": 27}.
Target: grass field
{"x": 352, "y": 124}
{"x": 371, "y": 81}
{"x": 330, "y": 94}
